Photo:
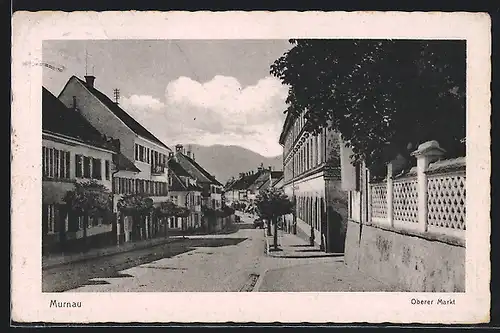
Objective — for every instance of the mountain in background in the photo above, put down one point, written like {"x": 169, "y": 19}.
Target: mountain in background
{"x": 225, "y": 162}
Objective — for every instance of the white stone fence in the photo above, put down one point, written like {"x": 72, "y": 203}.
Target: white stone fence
{"x": 430, "y": 198}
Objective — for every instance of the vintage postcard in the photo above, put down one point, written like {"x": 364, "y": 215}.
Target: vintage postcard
{"x": 294, "y": 167}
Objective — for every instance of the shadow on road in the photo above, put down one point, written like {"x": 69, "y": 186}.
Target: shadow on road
{"x": 78, "y": 274}
{"x": 215, "y": 242}
{"x": 245, "y": 226}
{"x": 319, "y": 255}
{"x": 96, "y": 282}
{"x": 308, "y": 250}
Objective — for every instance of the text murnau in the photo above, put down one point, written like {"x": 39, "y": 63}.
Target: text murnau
{"x": 57, "y": 304}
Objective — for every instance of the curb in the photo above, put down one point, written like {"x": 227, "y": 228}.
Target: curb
{"x": 101, "y": 254}
{"x": 259, "y": 281}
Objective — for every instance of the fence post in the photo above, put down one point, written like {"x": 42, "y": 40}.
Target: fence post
{"x": 425, "y": 154}
{"x": 389, "y": 189}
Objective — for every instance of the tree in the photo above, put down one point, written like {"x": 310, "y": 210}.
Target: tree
{"x": 88, "y": 199}
{"x": 136, "y": 205}
{"x": 168, "y": 209}
{"x": 384, "y": 96}
{"x": 272, "y": 203}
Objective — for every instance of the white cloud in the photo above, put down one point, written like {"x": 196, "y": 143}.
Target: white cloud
{"x": 219, "y": 111}
{"x": 142, "y": 102}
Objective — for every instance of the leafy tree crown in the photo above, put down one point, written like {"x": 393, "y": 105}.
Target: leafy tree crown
{"x": 384, "y": 96}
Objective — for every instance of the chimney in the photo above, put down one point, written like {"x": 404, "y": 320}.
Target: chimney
{"x": 270, "y": 168}
{"x": 261, "y": 167}
{"x": 89, "y": 79}
{"x": 179, "y": 148}
{"x": 193, "y": 157}
{"x": 188, "y": 153}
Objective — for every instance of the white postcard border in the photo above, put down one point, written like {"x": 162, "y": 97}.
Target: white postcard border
{"x": 30, "y": 305}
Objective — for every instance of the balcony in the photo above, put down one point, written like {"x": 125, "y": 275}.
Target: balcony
{"x": 157, "y": 169}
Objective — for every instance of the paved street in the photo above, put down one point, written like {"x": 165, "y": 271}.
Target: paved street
{"x": 208, "y": 263}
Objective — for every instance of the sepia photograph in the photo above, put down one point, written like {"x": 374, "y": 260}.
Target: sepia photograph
{"x": 280, "y": 165}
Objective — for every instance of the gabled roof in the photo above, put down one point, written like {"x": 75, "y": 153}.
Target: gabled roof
{"x": 196, "y": 170}
{"x": 262, "y": 177}
{"x": 128, "y": 120}
{"x": 276, "y": 174}
{"x": 124, "y": 164}
{"x": 58, "y": 119}
{"x": 245, "y": 182}
{"x": 176, "y": 168}
{"x": 276, "y": 181}
{"x": 179, "y": 185}
{"x": 265, "y": 184}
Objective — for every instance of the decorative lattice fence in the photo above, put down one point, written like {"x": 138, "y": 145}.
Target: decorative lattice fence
{"x": 405, "y": 200}
{"x": 378, "y": 200}
{"x": 439, "y": 205}
{"x": 446, "y": 200}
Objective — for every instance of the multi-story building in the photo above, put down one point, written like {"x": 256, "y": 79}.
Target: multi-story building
{"x": 272, "y": 178}
{"x": 311, "y": 166}
{"x": 237, "y": 190}
{"x": 72, "y": 151}
{"x": 184, "y": 191}
{"x": 148, "y": 173}
{"x": 246, "y": 188}
{"x": 212, "y": 188}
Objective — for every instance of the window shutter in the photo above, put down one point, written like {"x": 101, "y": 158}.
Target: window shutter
{"x": 62, "y": 164}
{"x": 107, "y": 169}
{"x": 68, "y": 165}
{"x": 96, "y": 169}
{"x": 44, "y": 161}
{"x": 78, "y": 166}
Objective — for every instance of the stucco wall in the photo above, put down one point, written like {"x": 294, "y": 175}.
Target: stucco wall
{"x": 409, "y": 263}
{"x": 99, "y": 116}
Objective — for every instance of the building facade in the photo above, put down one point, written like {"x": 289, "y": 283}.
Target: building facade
{"x": 311, "y": 166}
{"x": 184, "y": 191}
{"x": 72, "y": 151}
{"x": 212, "y": 189}
{"x": 143, "y": 153}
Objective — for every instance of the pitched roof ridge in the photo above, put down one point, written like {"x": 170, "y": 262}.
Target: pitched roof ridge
{"x": 201, "y": 169}
{"x": 100, "y": 95}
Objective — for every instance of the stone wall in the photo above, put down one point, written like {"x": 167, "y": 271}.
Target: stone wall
{"x": 408, "y": 261}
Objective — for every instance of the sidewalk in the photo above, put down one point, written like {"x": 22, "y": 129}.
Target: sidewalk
{"x": 292, "y": 246}
{"x": 304, "y": 268}
{"x": 54, "y": 260}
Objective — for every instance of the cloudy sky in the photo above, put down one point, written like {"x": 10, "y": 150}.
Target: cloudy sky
{"x": 185, "y": 91}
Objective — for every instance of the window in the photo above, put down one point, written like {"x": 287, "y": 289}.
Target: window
{"x": 55, "y": 163}
{"x": 51, "y": 163}
{"x": 106, "y": 165}
{"x": 87, "y": 162}
{"x": 96, "y": 168}
{"x": 141, "y": 153}
{"x": 78, "y": 166}
{"x": 148, "y": 155}
{"x": 136, "y": 152}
